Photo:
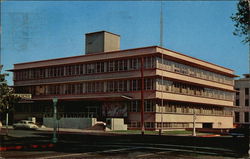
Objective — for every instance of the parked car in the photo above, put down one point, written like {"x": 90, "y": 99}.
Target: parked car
{"x": 25, "y": 124}
{"x": 241, "y": 131}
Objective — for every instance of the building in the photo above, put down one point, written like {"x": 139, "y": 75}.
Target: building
{"x": 108, "y": 82}
{"x": 241, "y": 114}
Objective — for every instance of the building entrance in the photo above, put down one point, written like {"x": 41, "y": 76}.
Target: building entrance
{"x": 207, "y": 125}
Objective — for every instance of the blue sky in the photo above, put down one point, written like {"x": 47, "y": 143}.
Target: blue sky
{"x": 43, "y": 30}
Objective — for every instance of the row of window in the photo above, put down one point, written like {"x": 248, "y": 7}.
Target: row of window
{"x": 124, "y": 86}
{"x": 89, "y": 87}
{"x": 149, "y": 106}
{"x": 238, "y": 91}
{"x": 193, "y": 71}
{"x": 237, "y": 117}
{"x": 118, "y": 65}
{"x": 157, "y": 125}
{"x": 155, "y": 106}
{"x": 87, "y": 68}
{"x": 237, "y": 102}
{"x": 182, "y": 88}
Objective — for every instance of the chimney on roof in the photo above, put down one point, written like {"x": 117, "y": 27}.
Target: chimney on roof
{"x": 101, "y": 41}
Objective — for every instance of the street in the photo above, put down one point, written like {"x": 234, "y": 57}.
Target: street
{"x": 37, "y": 144}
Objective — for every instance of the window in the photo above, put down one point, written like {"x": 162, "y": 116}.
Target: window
{"x": 81, "y": 69}
{"x": 42, "y": 73}
{"x": 134, "y": 85}
{"x": 121, "y": 86}
{"x": 120, "y": 65}
{"x": 90, "y": 68}
{"x": 111, "y": 65}
{"x": 134, "y": 64}
{"x": 246, "y": 102}
{"x": 237, "y": 117}
{"x": 134, "y": 124}
{"x": 246, "y": 116}
{"x": 115, "y": 86}
{"x": 148, "y": 84}
{"x": 110, "y": 86}
{"x": 238, "y": 91}
{"x": 135, "y": 106}
{"x": 149, "y": 125}
{"x": 237, "y": 103}
{"x": 77, "y": 71}
{"x": 62, "y": 71}
{"x": 98, "y": 67}
{"x": 246, "y": 91}
{"x": 149, "y": 106}
{"x": 177, "y": 68}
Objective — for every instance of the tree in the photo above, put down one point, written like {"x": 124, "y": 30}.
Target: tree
{"x": 241, "y": 19}
{"x": 7, "y": 97}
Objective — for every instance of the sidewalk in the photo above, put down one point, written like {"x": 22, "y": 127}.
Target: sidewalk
{"x": 94, "y": 132}
{"x": 68, "y": 130}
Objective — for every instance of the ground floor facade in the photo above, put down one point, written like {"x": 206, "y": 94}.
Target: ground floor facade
{"x": 157, "y": 113}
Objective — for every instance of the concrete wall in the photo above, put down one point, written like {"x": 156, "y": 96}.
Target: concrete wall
{"x": 111, "y": 42}
{"x": 116, "y": 124}
{"x": 94, "y": 43}
{"x": 73, "y": 123}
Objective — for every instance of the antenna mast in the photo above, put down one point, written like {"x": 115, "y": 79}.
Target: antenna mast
{"x": 161, "y": 27}
{"x": 249, "y": 46}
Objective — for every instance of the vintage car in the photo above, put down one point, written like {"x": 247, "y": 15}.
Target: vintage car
{"x": 25, "y": 124}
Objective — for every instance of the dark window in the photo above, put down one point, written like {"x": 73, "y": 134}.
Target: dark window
{"x": 246, "y": 102}
{"x": 237, "y": 102}
{"x": 238, "y": 91}
{"x": 207, "y": 125}
{"x": 237, "y": 116}
{"x": 246, "y": 91}
{"x": 246, "y": 116}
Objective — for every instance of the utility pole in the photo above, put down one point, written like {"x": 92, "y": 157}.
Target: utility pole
{"x": 142, "y": 96}
{"x": 7, "y": 121}
{"x": 249, "y": 45}
{"x": 55, "y": 100}
{"x": 161, "y": 45}
{"x": 161, "y": 26}
{"x": 248, "y": 31}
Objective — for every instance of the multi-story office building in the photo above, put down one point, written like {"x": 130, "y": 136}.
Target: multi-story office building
{"x": 241, "y": 114}
{"x": 108, "y": 82}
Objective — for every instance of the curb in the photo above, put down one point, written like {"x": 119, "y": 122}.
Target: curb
{"x": 20, "y": 147}
{"x": 209, "y": 135}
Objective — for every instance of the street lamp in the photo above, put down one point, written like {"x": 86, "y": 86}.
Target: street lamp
{"x": 194, "y": 122}
{"x": 55, "y": 100}
{"x": 7, "y": 120}
{"x": 142, "y": 97}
